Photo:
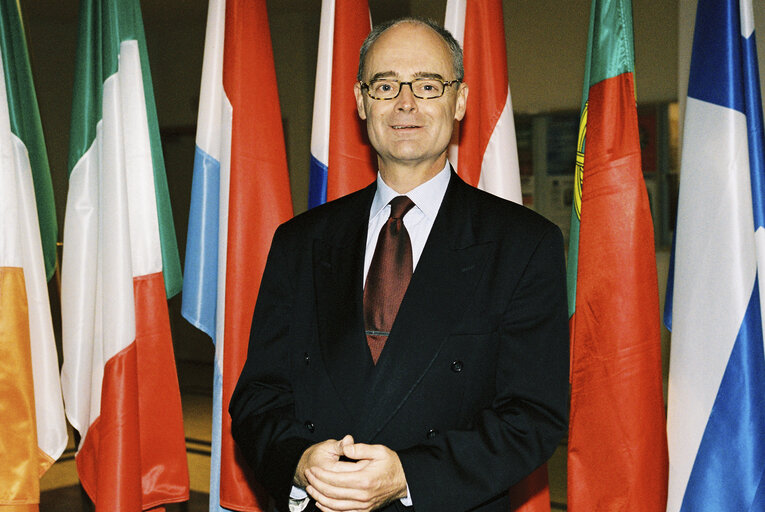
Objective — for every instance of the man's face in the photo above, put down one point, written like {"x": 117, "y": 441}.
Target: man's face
{"x": 408, "y": 130}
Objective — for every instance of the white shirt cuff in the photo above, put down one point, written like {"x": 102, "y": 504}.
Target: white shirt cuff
{"x": 298, "y": 499}
{"x": 407, "y": 502}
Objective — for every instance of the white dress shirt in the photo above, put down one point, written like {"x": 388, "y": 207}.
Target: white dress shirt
{"x": 427, "y": 199}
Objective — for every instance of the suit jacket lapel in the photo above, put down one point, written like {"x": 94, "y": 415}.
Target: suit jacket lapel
{"x": 338, "y": 272}
{"x": 443, "y": 283}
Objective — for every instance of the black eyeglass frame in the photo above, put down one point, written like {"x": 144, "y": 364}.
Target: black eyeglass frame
{"x": 401, "y": 85}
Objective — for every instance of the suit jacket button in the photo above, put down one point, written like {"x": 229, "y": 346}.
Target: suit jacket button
{"x": 457, "y": 366}
{"x": 307, "y": 359}
{"x": 310, "y": 426}
{"x": 432, "y": 433}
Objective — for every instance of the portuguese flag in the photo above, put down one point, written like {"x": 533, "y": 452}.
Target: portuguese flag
{"x": 617, "y": 449}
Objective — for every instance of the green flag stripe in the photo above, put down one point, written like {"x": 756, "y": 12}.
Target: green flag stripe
{"x": 26, "y": 125}
{"x": 104, "y": 24}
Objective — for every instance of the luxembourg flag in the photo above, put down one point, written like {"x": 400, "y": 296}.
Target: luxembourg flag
{"x": 716, "y": 410}
{"x": 341, "y": 159}
{"x": 33, "y": 429}
{"x": 240, "y": 194}
{"x": 120, "y": 264}
{"x": 483, "y": 146}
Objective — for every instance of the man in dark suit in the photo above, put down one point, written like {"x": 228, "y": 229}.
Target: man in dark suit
{"x": 464, "y": 394}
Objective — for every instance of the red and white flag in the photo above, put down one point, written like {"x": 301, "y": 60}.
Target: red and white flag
{"x": 484, "y": 149}
{"x": 342, "y": 161}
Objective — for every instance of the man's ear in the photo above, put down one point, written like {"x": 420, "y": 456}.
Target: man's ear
{"x": 359, "y": 100}
{"x": 462, "y": 95}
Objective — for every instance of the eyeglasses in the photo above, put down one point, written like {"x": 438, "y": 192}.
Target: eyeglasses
{"x": 423, "y": 88}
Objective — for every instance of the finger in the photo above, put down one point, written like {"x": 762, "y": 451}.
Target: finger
{"x": 360, "y": 451}
{"x": 330, "y": 503}
{"x": 357, "y": 478}
{"x": 335, "y": 490}
{"x": 339, "y": 466}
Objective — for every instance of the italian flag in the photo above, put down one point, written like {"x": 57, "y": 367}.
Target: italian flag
{"x": 33, "y": 428}
{"x": 120, "y": 263}
{"x": 617, "y": 447}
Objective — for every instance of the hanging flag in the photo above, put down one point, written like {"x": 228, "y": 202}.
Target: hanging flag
{"x": 33, "y": 430}
{"x": 484, "y": 150}
{"x": 617, "y": 448}
{"x": 483, "y": 147}
{"x": 120, "y": 262}
{"x": 716, "y": 413}
{"x": 240, "y": 194}
{"x": 342, "y": 160}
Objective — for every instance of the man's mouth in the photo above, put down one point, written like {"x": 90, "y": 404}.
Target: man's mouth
{"x": 404, "y": 126}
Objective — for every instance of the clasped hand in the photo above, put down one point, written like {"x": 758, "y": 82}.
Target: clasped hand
{"x": 372, "y": 478}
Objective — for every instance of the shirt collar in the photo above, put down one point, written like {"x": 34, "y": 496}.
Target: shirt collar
{"x": 427, "y": 196}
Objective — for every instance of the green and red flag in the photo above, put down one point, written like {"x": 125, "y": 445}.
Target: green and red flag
{"x": 120, "y": 264}
{"x": 617, "y": 448}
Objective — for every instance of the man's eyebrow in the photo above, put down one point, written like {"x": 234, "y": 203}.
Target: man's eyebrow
{"x": 394, "y": 75}
{"x": 384, "y": 74}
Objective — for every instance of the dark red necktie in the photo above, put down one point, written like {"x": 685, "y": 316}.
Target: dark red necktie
{"x": 388, "y": 277}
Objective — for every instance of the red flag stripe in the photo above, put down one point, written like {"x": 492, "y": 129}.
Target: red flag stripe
{"x": 617, "y": 441}
{"x": 486, "y": 75}
{"x": 351, "y": 164}
{"x": 259, "y": 200}
{"x": 130, "y": 383}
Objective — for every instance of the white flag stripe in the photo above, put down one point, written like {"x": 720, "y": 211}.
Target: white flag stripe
{"x": 211, "y": 90}
{"x": 454, "y": 21}
{"x": 323, "y": 89}
{"x": 112, "y": 236}
{"x": 721, "y": 246}
{"x": 10, "y": 237}
{"x": 49, "y": 407}
{"x": 146, "y": 255}
{"x": 78, "y": 292}
{"x": 499, "y": 169}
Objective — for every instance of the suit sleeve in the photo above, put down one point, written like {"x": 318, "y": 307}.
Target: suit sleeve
{"x": 262, "y": 405}
{"x": 528, "y": 415}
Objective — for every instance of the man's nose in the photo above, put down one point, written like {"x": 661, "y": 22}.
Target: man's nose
{"x": 406, "y": 99}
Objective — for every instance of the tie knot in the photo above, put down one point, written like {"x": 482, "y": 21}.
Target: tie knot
{"x": 399, "y": 205}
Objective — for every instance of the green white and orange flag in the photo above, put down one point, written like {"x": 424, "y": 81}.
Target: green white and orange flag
{"x": 617, "y": 448}
{"x": 32, "y": 429}
{"x": 120, "y": 264}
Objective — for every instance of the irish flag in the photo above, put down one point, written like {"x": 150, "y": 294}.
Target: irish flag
{"x": 240, "y": 193}
{"x": 33, "y": 429}
{"x": 342, "y": 161}
{"x": 120, "y": 265}
{"x": 617, "y": 448}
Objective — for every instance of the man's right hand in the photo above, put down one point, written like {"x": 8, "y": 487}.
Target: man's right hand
{"x": 325, "y": 455}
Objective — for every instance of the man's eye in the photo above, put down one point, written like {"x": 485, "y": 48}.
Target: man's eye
{"x": 385, "y": 87}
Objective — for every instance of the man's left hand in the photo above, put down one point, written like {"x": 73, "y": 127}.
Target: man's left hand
{"x": 375, "y": 479}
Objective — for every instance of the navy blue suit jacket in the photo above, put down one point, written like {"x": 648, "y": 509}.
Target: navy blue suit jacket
{"x": 471, "y": 388}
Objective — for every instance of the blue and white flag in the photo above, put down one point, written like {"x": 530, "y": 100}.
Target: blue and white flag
{"x": 716, "y": 409}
